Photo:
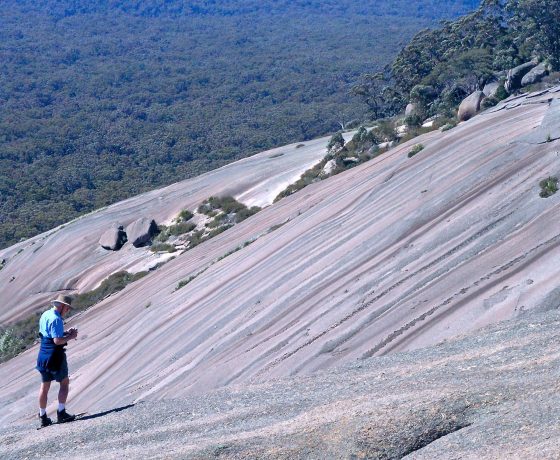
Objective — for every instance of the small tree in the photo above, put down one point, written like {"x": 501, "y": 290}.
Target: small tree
{"x": 336, "y": 142}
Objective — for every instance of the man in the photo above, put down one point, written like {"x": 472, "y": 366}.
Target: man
{"x": 51, "y": 362}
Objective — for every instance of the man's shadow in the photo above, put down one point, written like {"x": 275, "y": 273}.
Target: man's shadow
{"x": 107, "y": 412}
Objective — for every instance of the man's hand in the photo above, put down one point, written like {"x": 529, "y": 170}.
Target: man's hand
{"x": 71, "y": 333}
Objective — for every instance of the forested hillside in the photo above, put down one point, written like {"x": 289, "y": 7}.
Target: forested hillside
{"x": 103, "y": 100}
{"x": 440, "y": 67}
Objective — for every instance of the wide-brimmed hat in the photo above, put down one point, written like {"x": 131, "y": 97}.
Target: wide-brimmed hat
{"x": 64, "y": 299}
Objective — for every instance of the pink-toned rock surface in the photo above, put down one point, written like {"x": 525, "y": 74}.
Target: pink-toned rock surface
{"x": 392, "y": 255}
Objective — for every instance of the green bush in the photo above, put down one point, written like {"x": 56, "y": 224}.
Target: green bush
{"x": 448, "y": 126}
{"x": 162, "y": 247}
{"x": 336, "y": 141}
{"x": 245, "y": 213}
{"x": 184, "y": 216}
{"x": 11, "y": 344}
{"x": 413, "y": 120}
{"x": 219, "y": 230}
{"x": 181, "y": 228}
{"x": 416, "y": 149}
{"x": 220, "y": 219}
{"x": 196, "y": 238}
{"x": 162, "y": 235}
{"x": 549, "y": 187}
{"x": 501, "y": 93}
{"x": 489, "y": 102}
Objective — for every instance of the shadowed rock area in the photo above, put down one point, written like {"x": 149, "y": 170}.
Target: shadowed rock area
{"x": 393, "y": 255}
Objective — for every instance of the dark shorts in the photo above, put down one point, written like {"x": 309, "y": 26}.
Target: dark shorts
{"x": 47, "y": 376}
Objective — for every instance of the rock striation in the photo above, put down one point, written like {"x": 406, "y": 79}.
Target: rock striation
{"x": 395, "y": 254}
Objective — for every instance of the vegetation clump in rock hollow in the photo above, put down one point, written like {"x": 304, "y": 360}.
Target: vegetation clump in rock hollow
{"x": 549, "y": 187}
{"x": 415, "y": 150}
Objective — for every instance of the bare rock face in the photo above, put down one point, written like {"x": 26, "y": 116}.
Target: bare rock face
{"x": 490, "y": 89}
{"x": 114, "y": 238}
{"x": 515, "y": 76}
{"x": 141, "y": 231}
{"x": 535, "y": 75}
{"x": 470, "y": 106}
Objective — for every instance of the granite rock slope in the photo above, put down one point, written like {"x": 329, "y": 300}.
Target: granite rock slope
{"x": 69, "y": 259}
{"x": 393, "y": 255}
{"x": 491, "y": 394}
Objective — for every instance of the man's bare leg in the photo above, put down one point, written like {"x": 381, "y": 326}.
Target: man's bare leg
{"x": 43, "y": 394}
{"x": 63, "y": 391}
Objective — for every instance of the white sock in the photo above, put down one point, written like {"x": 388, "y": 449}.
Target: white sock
{"x": 42, "y": 411}
{"x": 61, "y": 407}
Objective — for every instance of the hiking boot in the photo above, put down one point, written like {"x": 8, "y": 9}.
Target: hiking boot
{"x": 63, "y": 416}
{"x": 45, "y": 421}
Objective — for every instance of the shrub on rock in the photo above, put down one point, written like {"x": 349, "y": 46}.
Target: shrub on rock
{"x": 549, "y": 187}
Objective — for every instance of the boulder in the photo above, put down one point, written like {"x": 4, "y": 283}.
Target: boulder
{"x": 141, "y": 231}
{"x": 410, "y": 109}
{"x": 535, "y": 75}
{"x": 470, "y": 106}
{"x": 515, "y": 75}
{"x": 328, "y": 168}
{"x": 401, "y": 130}
{"x": 114, "y": 238}
{"x": 490, "y": 89}
{"x": 386, "y": 145}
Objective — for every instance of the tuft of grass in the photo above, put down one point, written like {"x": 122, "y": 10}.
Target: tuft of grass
{"x": 277, "y": 226}
{"x": 549, "y": 138}
{"x": 549, "y": 187}
{"x": 184, "y": 282}
{"x": 238, "y": 248}
{"x": 416, "y": 149}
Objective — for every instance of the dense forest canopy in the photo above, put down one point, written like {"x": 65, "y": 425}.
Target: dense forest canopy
{"x": 102, "y": 100}
{"x": 439, "y": 67}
